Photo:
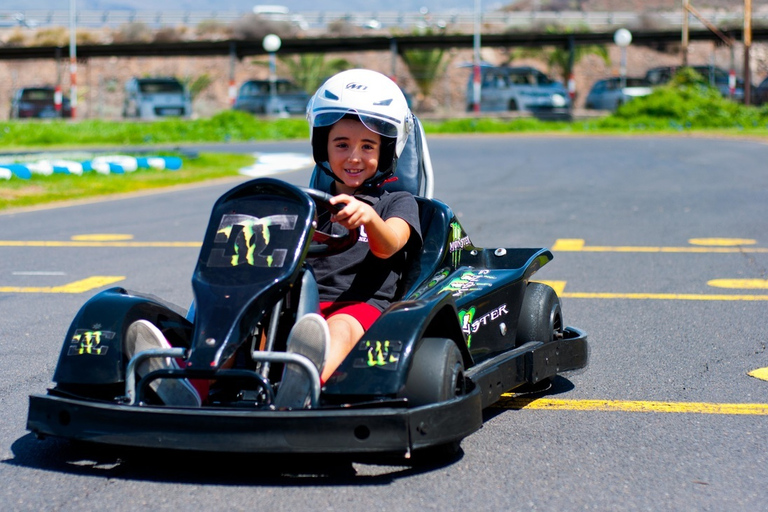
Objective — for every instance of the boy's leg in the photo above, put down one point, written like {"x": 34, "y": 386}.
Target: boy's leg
{"x": 308, "y": 337}
{"x": 345, "y": 331}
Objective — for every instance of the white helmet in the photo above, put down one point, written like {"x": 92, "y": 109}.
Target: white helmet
{"x": 371, "y": 97}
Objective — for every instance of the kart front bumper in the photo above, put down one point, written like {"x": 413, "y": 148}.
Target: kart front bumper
{"x": 395, "y": 430}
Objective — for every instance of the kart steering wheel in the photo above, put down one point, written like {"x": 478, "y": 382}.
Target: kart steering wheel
{"x": 327, "y": 244}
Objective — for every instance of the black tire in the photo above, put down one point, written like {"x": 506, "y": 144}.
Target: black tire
{"x": 436, "y": 374}
{"x": 541, "y": 318}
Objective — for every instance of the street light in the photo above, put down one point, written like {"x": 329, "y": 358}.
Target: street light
{"x": 623, "y": 38}
{"x": 271, "y": 44}
{"x": 476, "y": 59}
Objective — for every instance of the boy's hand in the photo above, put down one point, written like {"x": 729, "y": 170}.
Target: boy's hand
{"x": 385, "y": 238}
{"x": 355, "y": 214}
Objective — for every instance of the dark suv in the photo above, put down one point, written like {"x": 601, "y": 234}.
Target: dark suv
{"x": 38, "y": 102}
{"x": 255, "y": 97}
{"x": 717, "y": 77}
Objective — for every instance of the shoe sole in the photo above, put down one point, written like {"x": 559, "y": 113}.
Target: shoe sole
{"x": 171, "y": 391}
{"x": 309, "y": 337}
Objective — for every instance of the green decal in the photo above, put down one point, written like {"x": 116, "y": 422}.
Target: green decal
{"x": 89, "y": 342}
{"x": 466, "y": 317}
{"x": 243, "y": 240}
{"x": 379, "y": 354}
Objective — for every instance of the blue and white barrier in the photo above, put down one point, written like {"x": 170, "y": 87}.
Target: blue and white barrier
{"x": 112, "y": 164}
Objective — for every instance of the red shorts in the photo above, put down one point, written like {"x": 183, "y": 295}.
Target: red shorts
{"x": 360, "y": 311}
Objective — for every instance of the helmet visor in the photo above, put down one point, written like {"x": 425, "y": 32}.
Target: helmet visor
{"x": 386, "y": 126}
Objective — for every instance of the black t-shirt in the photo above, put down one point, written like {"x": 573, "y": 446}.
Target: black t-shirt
{"x": 357, "y": 275}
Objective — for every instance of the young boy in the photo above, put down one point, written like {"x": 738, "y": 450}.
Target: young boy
{"x": 359, "y": 122}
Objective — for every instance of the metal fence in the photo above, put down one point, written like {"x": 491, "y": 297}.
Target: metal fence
{"x": 457, "y": 20}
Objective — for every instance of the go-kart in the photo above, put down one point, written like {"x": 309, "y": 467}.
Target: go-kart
{"x": 469, "y": 326}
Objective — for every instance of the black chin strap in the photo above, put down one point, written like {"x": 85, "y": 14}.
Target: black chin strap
{"x": 327, "y": 170}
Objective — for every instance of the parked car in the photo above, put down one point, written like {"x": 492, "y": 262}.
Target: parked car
{"x": 761, "y": 93}
{"x": 608, "y": 93}
{"x": 523, "y": 88}
{"x": 149, "y": 98}
{"x": 38, "y": 102}
{"x": 255, "y": 97}
{"x": 716, "y": 76}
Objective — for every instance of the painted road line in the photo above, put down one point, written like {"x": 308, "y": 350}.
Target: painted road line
{"x": 94, "y": 243}
{"x": 510, "y": 401}
{"x": 579, "y": 245}
{"x": 760, "y": 373}
{"x": 559, "y": 287}
{"x": 81, "y": 286}
{"x": 744, "y": 284}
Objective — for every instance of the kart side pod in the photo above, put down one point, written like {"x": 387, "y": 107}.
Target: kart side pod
{"x": 93, "y": 348}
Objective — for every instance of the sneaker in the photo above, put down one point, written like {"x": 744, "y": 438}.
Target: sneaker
{"x": 308, "y": 337}
{"x": 143, "y": 335}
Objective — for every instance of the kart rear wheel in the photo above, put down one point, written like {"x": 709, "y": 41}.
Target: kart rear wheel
{"x": 541, "y": 318}
{"x": 436, "y": 374}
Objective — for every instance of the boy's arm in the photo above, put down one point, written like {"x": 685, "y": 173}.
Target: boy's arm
{"x": 385, "y": 238}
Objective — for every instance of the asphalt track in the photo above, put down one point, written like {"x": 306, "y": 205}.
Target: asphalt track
{"x": 661, "y": 255}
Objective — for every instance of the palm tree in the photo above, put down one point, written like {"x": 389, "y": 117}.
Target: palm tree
{"x": 424, "y": 66}
{"x": 558, "y": 59}
{"x": 309, "y": 70}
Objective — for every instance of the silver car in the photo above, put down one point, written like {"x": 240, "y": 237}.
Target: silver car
{"x": 255, "y": 96}
{"x": 524, "y": 88}
{"x": 150, "y": 98}
{"x": 608, "y": 94}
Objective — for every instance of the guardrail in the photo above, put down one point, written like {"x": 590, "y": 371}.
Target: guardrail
{"x": 457, "y": 19}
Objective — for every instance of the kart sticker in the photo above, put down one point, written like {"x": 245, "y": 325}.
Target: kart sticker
{"x": 468, "y": 282}
{"x": 437, "y": 278}
{"x": 243, "y": 240}
{"x": 86, "y": 341}
{"x": 457, "y": 243}
{"x": 466, "y": 316}
{"x": 379, "y": 354}
{"x": 470, "y": 326}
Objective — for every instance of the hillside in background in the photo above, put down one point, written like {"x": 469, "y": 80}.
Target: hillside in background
{"x": 384, "y": 5}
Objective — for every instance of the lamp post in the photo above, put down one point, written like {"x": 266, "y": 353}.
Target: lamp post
{"x": 623, "y": 38}
{"x": 73, "y": 57}
{"x": 271, "y": 44}
{"x": 476, "y": 60}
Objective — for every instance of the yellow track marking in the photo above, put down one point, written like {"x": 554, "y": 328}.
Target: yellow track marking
{"x": 663, "y": 296}
{"x": 748, "y": 284}
{"x": 760, "y": 373}
{"x": 81, "y": 286}
{"x": 101, "y": 237}
{"x": 559, "y": 287}
{"x": 94, "y": 243}
{"x": 509, "y": 401}
{"x": 723, "y": 242}
{"x": 578, "y": 245}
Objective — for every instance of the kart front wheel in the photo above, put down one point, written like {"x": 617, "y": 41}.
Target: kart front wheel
{"x": 436, "y": 374}
{"x": 541, "y": 318}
